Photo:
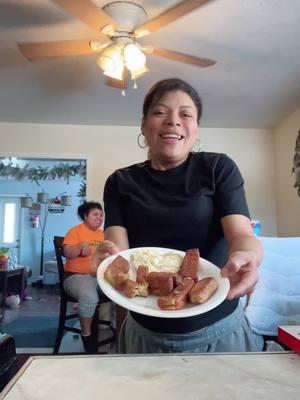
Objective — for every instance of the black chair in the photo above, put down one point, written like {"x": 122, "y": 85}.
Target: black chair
{"x": 65, "y": 299}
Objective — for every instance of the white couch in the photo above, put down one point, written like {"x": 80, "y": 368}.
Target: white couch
{"x": 276, "y": 298}
{"x": 50, "y": 273}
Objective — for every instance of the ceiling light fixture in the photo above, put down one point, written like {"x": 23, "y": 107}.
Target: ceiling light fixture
{"x": 123, "y": 23}
{"x": 123, "y": 53}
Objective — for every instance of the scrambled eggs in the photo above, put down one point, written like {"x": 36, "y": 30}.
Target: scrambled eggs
{"x": 156, "y": 261}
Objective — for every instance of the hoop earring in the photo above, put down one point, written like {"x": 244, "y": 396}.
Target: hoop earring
{"x": 138, "y": 141}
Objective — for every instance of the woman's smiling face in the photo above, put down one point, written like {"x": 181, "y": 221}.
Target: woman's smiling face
{"x": 171, "y": 129}
{"x": 94, "y": 218}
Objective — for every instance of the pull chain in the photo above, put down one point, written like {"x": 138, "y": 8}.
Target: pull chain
{"x": 123, "y": 90}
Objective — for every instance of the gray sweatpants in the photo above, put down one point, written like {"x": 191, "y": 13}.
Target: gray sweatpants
{"x": 84, "y": 288}
{"x": 230, "y": 334}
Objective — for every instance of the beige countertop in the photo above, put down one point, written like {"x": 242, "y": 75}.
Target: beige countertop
{"x": 159, "y": 377}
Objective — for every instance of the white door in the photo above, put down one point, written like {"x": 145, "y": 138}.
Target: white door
{"x": 10, "y": 224}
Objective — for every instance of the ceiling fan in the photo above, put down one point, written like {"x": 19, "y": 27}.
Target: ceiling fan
{"x": 119, "y": 24}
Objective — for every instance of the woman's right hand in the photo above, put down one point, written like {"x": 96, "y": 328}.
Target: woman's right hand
{"x": 104, "y": 250}
{"x": 85, "y": 249}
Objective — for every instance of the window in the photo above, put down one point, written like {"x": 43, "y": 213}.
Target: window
{"x": 9, "y": 233}
{"x": 10, "y": 222}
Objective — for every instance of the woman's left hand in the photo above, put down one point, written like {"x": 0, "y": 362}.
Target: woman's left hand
{"x": 242, "y": 271}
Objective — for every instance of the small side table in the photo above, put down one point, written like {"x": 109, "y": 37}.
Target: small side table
{"x": 14, "y": 277}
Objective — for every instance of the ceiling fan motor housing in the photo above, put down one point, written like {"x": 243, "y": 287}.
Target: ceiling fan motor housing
{"x": 127, "y": 16}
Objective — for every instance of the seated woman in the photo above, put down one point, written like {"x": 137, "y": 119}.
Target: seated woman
{"x": 79, "y": 245}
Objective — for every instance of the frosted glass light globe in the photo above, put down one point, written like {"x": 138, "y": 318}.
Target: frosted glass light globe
{"x": 110, "y": 59}
{"x": 106, "y": 63}
{"x": 134, "y": 58}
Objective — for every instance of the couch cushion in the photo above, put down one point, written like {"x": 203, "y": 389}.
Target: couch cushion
{"x": 276, "y": 298}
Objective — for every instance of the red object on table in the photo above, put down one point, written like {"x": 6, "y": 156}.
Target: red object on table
{"x": 290, "y": 336}
{"x": 3, "y": 263}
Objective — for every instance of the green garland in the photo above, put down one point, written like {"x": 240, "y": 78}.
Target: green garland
{"x": 37, "y": 174}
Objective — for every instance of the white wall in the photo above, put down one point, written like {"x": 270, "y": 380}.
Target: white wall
{"x": 253, "y": 151}
{"x": 107, "y": 148}
{"x": 288, "y": 211}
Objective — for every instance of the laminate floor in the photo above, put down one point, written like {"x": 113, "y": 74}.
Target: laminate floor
{"x": 40, "y": 302}
{"x": 45, "y": 301}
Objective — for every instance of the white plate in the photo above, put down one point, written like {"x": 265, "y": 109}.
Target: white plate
{"x": 148, "y": 305}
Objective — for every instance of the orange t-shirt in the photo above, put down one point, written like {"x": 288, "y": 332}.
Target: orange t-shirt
{"x": 82, "y": 233}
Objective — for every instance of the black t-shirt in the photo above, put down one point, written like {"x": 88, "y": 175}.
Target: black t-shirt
{"x": 180, "y": 208}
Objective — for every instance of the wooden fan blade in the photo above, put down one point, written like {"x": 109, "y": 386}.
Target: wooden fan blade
{"x": 87, "y": 12}
{"x": 37, "y": 51}
{"x": 169, "y": 16}
{"x": 116, "y": 83}
{"x": 186, "y": 58}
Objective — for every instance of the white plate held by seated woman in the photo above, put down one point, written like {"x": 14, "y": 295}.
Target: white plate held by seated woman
{"x": 148, "y": 305}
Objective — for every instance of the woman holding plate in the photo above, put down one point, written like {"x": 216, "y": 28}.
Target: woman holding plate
{"x": 180, "y": 199}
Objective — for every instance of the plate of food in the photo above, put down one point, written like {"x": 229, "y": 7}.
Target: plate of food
{"x": 162, "y": 282}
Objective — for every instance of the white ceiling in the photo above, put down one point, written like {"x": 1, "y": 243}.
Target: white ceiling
{"x": 255, "y": 83}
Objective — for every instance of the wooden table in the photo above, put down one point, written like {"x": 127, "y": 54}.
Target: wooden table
{"x": 244, "y": 376}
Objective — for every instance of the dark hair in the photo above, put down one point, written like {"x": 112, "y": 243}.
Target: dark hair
{"x": 168, "y": 85}
{"x": 85, "y": 208}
